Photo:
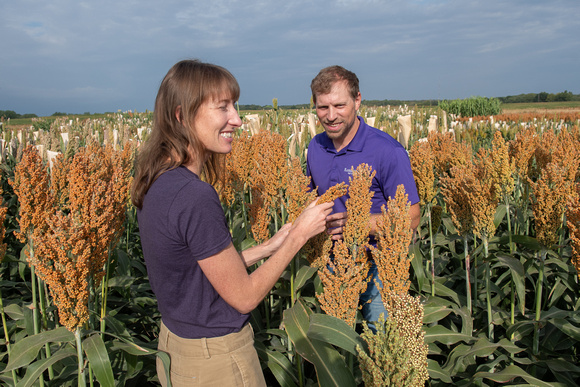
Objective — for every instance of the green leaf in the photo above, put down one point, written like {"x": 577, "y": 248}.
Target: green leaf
{"x": 330, "y": 367}
{"x": 99, "y": 359}
{"x": 303, "y": 275}
{"x": 511, "y": 372}
{"x": 34, "y": 370}
{"x": 336, "y": 332}
{"x": 14, "y": 311}
{"x": 417, "y": 263}
{"x": 25, "y": 350}
{"x": 566, "y": 327}
{"x": 517, "y": 273}
{"x": 166, "y": 360}
{"x": 435, "y": 372}
{"x": 132, "y": 349}
{"x": 443, "y": 291}
{"x": 483, "y": 347}
{"x": 434, "y": 314}
{"x": 445, "y": 336}
{"x": 279, "y": 364}
{"x": 561, "y": 365}
{"x": 499, "y": 214}
{"x": 121, "y": 281}
{"x": 526, "y": 241}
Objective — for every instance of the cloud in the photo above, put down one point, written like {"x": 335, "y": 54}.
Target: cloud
{"x": 112, "y": 52}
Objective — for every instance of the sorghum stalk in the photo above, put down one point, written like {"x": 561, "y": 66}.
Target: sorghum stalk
{"x": 81, "y": 372}
{"x": 431, "y": 249}
{"x": 512, "y": 251}
{"x": 42, "y": 301}
{"x": 467, "y": 277}
{"x": 539, "y": 286}
{"x": 105, "y": 292}
{"x": 475, "y": 281}
{"x": 33, "y": 284}
{"x": 6, "y": 335}
{"x": 488, "y": 288}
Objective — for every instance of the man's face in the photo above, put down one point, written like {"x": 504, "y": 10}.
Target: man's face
{"x": 337, "y": 114}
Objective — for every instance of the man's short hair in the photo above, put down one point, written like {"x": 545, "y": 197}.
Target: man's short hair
{"x": 328, "y": 76}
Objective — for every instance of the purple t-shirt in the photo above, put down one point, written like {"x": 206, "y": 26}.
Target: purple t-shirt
{"x": 181, "y": 222}
{"x": 372, "y": 146}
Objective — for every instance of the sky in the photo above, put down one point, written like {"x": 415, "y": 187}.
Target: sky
{"x": 74, "y": 56}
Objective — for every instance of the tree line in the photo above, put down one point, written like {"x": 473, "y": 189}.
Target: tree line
{"x": 541, "y": 97}
{"x": 520, "y": 98}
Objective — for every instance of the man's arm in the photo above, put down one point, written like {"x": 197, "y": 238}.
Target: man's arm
{"x": 414, "y": 213}
{"x": 336, "y": 222}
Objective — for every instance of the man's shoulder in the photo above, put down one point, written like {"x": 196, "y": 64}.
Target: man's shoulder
{"x": 319, "y": 141}
{"x": 377, "y": 138}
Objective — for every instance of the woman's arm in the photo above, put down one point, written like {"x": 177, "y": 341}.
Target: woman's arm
{"x": 266, "y": 249}
{"x": 227, "y": 272}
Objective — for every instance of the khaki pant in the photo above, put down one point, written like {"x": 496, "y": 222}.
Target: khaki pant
{"x": 229, "y": 360}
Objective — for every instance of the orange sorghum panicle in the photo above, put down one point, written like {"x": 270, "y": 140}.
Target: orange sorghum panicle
{"x": 358, "y": 207}
{"x": 3, "y": 211}
{"x": 31, "y": 185}
{"x": 343, "y": 280}
{"x": 297, "y": 190}
{"x": 422, "y": 163}
{"x": 551, "y": 193}
{"x": 447, "y": 152}
{"x": 237, "y": 168}
{"x": 74, "y": 248}
{"x": 269, "y": 165}
{"x": 394, "y": 236}
{"x": 521, "y": 151}
{"x": 344, "y": 276}
{"x": 318, "y": 248}
{"x": 483, "y": 197}
{"x": 567, "y": 153}
{"x": 259, "y": 213}
{"x": 333, "y": 193}
{"x": 547, "y": 145}
{"x": 501, "y": 167}
{"x": 455, "y": 193}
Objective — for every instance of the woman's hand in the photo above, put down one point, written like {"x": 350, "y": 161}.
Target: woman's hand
{"x": 312, "y": 221}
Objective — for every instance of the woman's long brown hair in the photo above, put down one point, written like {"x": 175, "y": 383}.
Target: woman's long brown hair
{"x": 173, "y": 140}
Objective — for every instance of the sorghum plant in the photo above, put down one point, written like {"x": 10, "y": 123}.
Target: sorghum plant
{"x": 344, "y": 275}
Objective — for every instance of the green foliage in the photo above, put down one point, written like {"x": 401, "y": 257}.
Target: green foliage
{"x": 9, "y": 114}
{"x": 541, "y": 97}
{"x": 472, "y": 107}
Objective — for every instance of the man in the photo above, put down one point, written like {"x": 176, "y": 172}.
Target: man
{"x": 347, "y": 141}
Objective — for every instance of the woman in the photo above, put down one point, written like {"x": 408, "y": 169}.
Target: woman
{"x": 203, "y": 289}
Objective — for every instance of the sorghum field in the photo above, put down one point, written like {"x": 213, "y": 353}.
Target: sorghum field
{"x": 486, "y": 293}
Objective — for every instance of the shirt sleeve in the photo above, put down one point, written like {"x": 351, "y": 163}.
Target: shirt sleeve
{"x": 200, "y": 220}
{"x": 396, "y": 171}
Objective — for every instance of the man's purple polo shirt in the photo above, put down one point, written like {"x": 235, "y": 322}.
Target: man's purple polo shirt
{"x": 378, "y": 149}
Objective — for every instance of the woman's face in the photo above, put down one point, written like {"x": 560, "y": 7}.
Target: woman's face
{"x": 215, "y": 123}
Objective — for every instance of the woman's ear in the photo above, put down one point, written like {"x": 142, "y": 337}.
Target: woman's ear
{"x": 178, "y": 114}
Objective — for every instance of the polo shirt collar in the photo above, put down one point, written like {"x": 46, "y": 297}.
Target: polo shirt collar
{"x": 356, "y": 144}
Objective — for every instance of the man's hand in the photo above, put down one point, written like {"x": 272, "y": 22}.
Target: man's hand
{"x": 335, "y": 224}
